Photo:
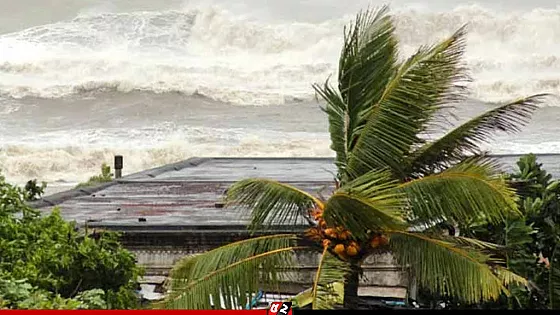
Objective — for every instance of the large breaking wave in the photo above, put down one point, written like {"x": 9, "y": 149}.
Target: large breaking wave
{"x": 210, "y": 51}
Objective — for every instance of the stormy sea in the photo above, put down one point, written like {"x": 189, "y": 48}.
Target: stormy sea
{"x": 161, "y": 81}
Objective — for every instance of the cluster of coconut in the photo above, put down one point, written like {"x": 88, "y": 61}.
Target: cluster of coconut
{"x": 340, "y": 240}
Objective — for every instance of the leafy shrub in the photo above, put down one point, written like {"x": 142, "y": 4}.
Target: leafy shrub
{"x": 19, "y": 294}
{"x": 531, "y": 241}
{"x": 52, "y": 255}
{"x": 34, "y": 191}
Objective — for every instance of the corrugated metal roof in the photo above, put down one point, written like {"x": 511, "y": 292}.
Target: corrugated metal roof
{"x": 186, "y": 193}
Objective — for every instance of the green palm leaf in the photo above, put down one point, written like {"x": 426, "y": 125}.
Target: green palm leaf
{"x": 465, "y": 139}
{"x": 360, "y": 215}
{"x": 330, "y": 272}
{"x": 270, "y": 202}
{"x": 230, "y": 273}
{"x": 423, "y": 84}
{"x": 375, "y": 185}
{"x": 336, "y": 111}
{"x": 305, "y": 298}
{"x": 477, "y": 244}
{"x": 366, "y": 64}
{"x": 367, "y": 61}
{"x": 449, "y": 268}
{"x": 366, "y": 203}
{"x": 508, "y": 277}
{"x": 465, "y": 191}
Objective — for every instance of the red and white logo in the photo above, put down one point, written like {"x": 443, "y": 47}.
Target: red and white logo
{"x": 280, "y": 308}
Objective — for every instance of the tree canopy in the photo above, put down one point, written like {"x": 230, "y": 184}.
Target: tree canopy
{"x": 46, "y": 262}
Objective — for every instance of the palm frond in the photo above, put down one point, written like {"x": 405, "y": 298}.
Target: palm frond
{"x": 336, "y": 111}
{"x": 466, "y": 138}
{"x": 447, "y": 268}
{"x": 366, "y": 203}
{"x": 466, "y": 191}
{"x": 230, "y": 274}
{"x": 376, "y": 184}
{"x": 367, "y": 60}
{"x": 305, "y": 298}
{"x": 360, "y": 215}
{"x": 302, "y": 299}
{"x": 330, "y": 272}
{"x": 509, "y": 278}
{"x": 366, "y": 64}
{"x": 477, "y": 244}
{"x": 422, "y": 85}
{"x": 270, "y": 202}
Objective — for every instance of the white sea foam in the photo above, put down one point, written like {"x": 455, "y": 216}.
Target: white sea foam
{"x": 65, "y": 158}
{"x": 75, "y": 156}
{"x": 210, "y": 51}
{"x": 65, "y": 165}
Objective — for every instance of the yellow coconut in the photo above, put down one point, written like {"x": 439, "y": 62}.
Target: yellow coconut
{"x": 330, "y": 233}
{"x": 351, "y": 250}
{"x": 313, "y": 234}
{"x": 344, "y": 235}
{"x": 339, "y": 249}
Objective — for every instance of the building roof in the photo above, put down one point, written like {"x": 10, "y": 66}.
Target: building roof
{"x": 182, "y": 194}
{"x": 188, "y": 193}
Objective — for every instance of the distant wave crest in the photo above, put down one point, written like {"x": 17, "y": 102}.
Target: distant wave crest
{"x": 209, "y": 51}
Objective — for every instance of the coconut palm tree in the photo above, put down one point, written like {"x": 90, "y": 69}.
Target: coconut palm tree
{"x": 391, "y": 179}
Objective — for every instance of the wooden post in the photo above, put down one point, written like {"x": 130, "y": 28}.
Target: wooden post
{"x": 118, "y": 166}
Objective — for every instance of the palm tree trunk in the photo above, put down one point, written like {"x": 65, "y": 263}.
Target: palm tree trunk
{"x": 351, "y": 287}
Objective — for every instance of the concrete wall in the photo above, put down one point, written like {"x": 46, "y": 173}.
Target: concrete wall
{"x": 381, "y": 277}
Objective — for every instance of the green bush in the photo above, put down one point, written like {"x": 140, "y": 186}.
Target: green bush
{"x": 34, "y": 191}
{"x": 19, "y": 294}
{"x": 530, "y": 240}
{"x": 57, "y": 260}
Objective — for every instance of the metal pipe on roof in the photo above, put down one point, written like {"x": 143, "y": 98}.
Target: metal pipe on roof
{"x": 118, "y": 166}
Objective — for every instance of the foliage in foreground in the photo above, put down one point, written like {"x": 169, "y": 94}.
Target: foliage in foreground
{"x": 52, "y": 264}
{"x": 19, "y": 294}
{"x": 531, "y": 241}
{"x": 393, "y": 186}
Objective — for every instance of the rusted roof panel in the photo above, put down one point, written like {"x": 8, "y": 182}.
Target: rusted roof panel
{"x": 234, "y": 169}
{"x": 177, "y": 203}
{"x": 186, "y": 193}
